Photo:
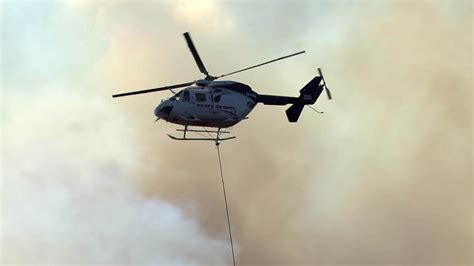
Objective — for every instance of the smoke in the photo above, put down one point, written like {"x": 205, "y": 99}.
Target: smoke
{"x": 382, "y": 177}
{"x": 67, "y": 195}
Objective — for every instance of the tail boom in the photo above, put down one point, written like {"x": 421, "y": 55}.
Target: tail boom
{"x": 276, "y": 100}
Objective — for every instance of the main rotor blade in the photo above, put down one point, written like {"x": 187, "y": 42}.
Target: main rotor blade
{"x": 268, "y": 62}
{"x": 198, "y": 60}
{"x": 154, "y": 89}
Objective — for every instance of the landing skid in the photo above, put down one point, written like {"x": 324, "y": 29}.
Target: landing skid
{"x": 214, "y": 135}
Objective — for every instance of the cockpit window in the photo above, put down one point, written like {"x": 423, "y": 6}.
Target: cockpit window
{"x": 176, "y": 96}
{"x": 217, "y": 98}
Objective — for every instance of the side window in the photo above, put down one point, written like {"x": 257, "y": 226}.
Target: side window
{"x": 186, "y": 96}
{"x": 200, "y": 97}
{"x": 217, "y": 98}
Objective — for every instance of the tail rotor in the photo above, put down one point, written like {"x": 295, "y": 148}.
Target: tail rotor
{"x": 328, "y": 92}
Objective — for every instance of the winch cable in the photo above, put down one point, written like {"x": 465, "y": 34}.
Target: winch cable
{"x": 225, "y": 200}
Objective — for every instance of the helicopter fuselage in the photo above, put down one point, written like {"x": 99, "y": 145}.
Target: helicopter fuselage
{"x": 222, "y": 104}
{"x": 219, "y": 104}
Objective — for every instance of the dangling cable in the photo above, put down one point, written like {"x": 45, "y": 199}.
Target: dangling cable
{"x": 225, "y": 200}
{"x": 319, "y": 112}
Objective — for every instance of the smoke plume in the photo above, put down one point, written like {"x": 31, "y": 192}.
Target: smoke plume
{"x": 383, "y": 177}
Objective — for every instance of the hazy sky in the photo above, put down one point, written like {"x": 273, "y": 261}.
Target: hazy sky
{"x": 384, "y": 176}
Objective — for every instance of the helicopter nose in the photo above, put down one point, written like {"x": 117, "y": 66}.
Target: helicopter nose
{"x": 161, "y": 111}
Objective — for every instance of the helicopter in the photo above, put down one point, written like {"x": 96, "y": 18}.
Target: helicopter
{"x": 216, "y": 104}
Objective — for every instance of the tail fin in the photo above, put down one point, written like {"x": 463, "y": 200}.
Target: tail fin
{"x": 308, "y": 95}
{"x": 293, "y": 113}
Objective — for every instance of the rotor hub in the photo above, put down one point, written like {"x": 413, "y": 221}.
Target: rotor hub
{"x": 203, "y": 82}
